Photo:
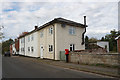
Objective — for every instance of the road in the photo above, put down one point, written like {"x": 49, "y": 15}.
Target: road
{"x": 17, "y": 67}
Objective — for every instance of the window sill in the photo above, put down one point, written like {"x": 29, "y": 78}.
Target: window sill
{"x": 51, "y": 52}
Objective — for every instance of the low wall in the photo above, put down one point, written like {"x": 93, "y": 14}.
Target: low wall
{"x": 85, "y": 58}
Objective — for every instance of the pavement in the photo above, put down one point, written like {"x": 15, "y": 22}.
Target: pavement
{"x": 24, "y": 67}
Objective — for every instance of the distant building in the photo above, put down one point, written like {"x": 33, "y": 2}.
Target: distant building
{"x": 14, "y": 47}
{"x": 118, "y": 43}
{"x": 103, "y": 44}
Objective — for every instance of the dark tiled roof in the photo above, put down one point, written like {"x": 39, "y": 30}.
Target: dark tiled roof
{"x": 57, "y": 20}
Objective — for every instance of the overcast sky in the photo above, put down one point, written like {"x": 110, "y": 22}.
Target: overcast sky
{"x": 18, "y": 17}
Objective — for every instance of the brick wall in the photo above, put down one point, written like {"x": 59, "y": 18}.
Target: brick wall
{"x": 17, "y": 44}
{"x": 86, "y": 58}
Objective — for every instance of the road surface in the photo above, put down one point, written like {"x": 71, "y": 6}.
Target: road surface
{"x": 17, "y": 67}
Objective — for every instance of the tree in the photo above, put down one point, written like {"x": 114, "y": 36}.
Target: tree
{"x": 93, "y": 40}
{"x": 6, "y": 45}
{"x": 111, "y": 39}
{"x": 102, "y": 39}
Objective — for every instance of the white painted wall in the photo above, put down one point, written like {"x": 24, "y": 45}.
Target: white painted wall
{"x": 32, "y": 43}
{"x": 103, "y": 44}
{"x": 63, "y": 39}
{"x": 21, "y": 45}
{"x": 46, "y": 40}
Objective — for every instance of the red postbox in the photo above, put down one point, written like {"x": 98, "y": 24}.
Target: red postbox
{"x": 67, "y": 54}
{"x": 66, "y": 51}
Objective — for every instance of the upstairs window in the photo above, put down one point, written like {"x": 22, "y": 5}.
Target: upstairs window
{"x": 71, "y": 30}
{"x": 72, "y": 47}
{"x": 32, "y": 37}
{"x": 51, "y": 30}
{"x": 41, "y": 34}
{"x": 28, "y": 38}
{"x": 22, "y": 40}
{"x": 50, "y": 48}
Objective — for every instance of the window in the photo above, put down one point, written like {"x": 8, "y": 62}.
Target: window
{"x": 23, "y": 50}
{"x": 41, "y": 34}
{"x": 51, "y": 30}
{"x": 50, "y": 48}
{"x": 28, "y": 38}
{"x": 32, "y": 49}
{"x": 32, "y": 37}
{"x": 28, "y": 49}
{"x": 72, "y": 30}
{"x": 22, "y": 40}
{"x": 72, "y": 47}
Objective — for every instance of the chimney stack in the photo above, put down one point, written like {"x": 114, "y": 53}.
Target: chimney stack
{"x": 85, "y": 20}
{"x": 36, "y": 27}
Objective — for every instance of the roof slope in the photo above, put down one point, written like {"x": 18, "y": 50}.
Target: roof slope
{"x": 58, "y": 20}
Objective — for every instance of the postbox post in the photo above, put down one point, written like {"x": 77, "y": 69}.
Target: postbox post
{"x": 67, "y": 55}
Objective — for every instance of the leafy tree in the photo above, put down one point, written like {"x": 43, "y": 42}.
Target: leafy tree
{"x": 6, "y": 45}
{"x": 93, "y": 40}
{"x": 111, "y": 39}
{"x": 102, "y": 39}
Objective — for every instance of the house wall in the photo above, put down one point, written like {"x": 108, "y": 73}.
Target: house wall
{"x": 45, "y": 41}
{"x": 63, "y": 39}
{"x": 21, "y": 45}
{"x": 103, "y": 44}
{"x": 32, "y": 43}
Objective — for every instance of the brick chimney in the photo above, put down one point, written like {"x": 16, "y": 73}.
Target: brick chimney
{"x": 36, "y": 27}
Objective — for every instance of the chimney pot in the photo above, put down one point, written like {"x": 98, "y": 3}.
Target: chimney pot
{"x": 85, "y": 20}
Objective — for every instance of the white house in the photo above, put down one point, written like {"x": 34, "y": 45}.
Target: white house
{"x": 51, "y": 38}
{"x": 104, "y": 44}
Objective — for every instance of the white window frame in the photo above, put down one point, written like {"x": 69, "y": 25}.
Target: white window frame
{"x": 72, "y": 46}
{"x": 28, "y": 49}
{"x": 32, "y": 37}
{"x": 28, "y": 38}
{"x": 32, "y": 49}
{"x": 50, "y": 48}
{"x": 51, "y": 30}
{"x": 41, "y": 34}
{"x": 72, "y": 30}
{"x": 22, "y": 40}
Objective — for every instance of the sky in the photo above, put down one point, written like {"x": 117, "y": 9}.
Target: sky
{"x": 17, "y": 17}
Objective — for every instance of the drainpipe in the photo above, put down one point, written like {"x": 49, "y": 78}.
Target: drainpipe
{"x": 54, "y": 40}
{"x": 83, "y": 41}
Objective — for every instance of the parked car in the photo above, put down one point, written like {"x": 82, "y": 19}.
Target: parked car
{"x": 7, "y": 54}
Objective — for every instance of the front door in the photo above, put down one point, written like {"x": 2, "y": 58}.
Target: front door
{"x": 41, "y": 51}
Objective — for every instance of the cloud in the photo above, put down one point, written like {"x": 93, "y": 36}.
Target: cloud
{"x": 23, "y": 16}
